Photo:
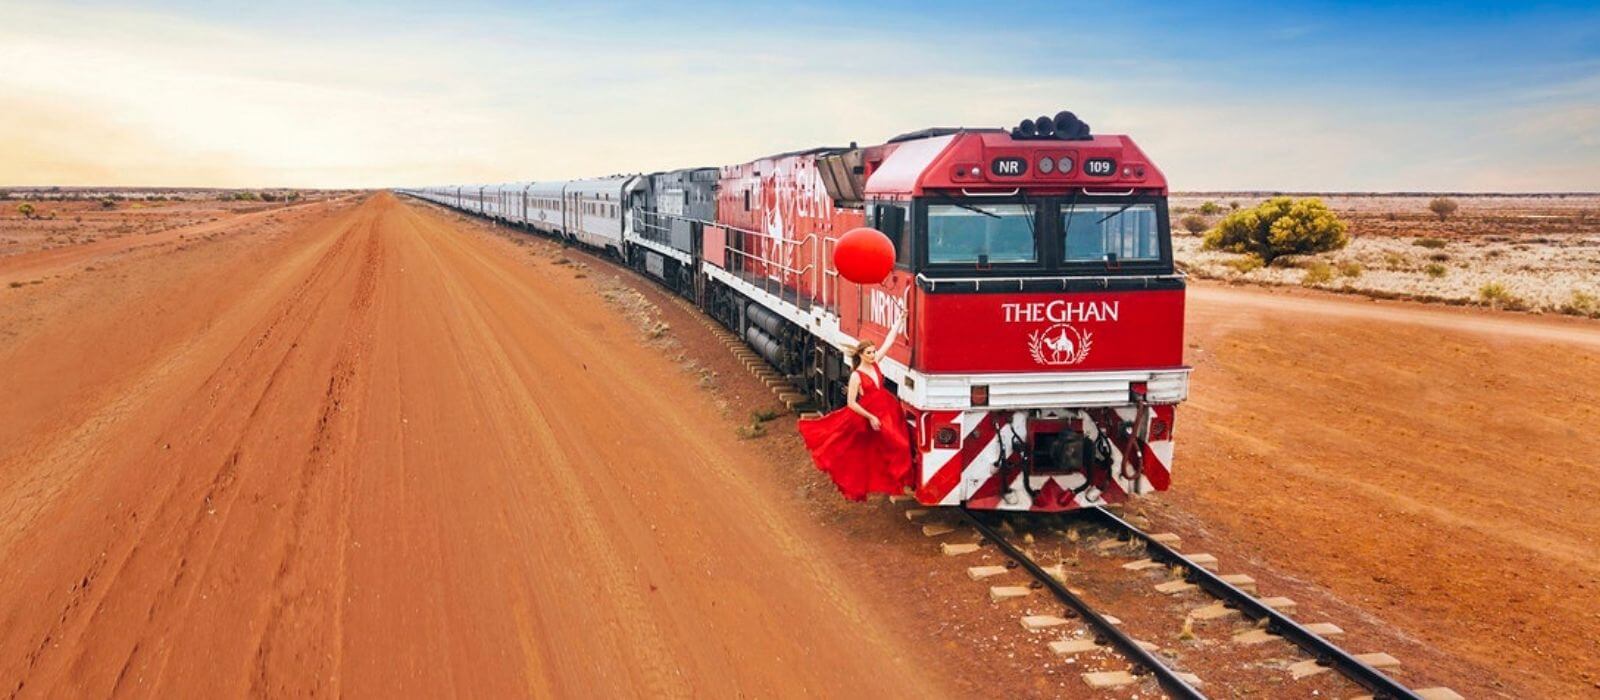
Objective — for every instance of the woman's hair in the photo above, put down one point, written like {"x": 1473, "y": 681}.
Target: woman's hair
{"x": 855, "y": 353}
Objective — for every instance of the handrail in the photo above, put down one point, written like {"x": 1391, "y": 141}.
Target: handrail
{"x": 1014, "y": 192}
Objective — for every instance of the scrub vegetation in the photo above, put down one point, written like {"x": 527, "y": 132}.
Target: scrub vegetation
{"x": 1280, "y": 226}
{"x": 1538, "y": 253}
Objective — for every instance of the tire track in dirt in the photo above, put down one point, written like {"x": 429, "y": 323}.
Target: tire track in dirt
{"x": 409, "y": 469}
{"x": 274, "y": 343}
{"x": 296, "y": 599}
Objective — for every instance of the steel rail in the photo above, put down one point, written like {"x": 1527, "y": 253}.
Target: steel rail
{"x": 1326, "y": 653}
{"x": 1169, "y": 679}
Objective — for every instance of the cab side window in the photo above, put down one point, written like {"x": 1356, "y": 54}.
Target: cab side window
{"x": 895, "y": 222}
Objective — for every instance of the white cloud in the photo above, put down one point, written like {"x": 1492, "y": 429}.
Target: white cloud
{"x": 123, "y": 97}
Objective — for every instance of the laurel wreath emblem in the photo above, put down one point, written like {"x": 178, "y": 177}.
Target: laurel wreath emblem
{"x": 1041, "y": 345}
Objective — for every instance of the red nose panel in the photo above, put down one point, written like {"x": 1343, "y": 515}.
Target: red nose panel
{"x": 1050, "y": 332}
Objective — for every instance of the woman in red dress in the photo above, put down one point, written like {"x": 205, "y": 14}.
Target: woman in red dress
{"x": 864, "y": 447}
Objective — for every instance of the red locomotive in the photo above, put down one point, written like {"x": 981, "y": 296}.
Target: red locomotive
{"x": 1042, "y": 356}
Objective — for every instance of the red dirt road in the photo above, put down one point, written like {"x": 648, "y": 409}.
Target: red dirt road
{"x": 365, "y": 454}
{"x": 1433, "y": 466}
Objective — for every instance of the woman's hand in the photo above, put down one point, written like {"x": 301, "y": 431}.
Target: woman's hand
{"x": 873, "y": 421}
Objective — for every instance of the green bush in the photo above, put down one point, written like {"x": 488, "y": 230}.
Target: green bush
{"x": 1434, "y": 270}
{"x": 108, "y": 203}
{"x": 1210, "y": 209}
{"x": 1443, "y": 207}
{"x": 1195, "y": 225}
{"x": 1317, "y": 272}
{"x": 1280, "y": 226}
{"x": 1434, "y": 243}
{"x": 1233, "y": 206}
{"x": 1350, "y": 268}
{"x": 26, "y": 210}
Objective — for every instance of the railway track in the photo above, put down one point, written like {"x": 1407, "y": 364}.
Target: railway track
{"x": 1174, "y": 682}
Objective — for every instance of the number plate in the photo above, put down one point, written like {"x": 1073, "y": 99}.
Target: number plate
{"x": 1100, "y": 167}
{"x": 1009, "y": 167}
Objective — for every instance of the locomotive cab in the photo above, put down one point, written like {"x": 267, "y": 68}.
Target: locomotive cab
{"x": 1042, "y": 353}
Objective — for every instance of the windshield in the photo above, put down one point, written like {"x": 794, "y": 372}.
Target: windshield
{"x": 980, "y": 233}
{"x": 1099, "y": 232}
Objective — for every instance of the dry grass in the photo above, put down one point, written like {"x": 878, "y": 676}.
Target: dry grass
{"x": 1317, "y": 273}
{"x": 1543, "y": 252}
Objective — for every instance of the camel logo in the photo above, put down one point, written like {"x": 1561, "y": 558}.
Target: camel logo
{"x": 1060, "y": 344}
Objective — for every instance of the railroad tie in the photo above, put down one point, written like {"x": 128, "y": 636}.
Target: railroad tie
{"x": 998, "y": 594}
{"x": 1310, "y": 667}
{"x": 937, "y": 529}
{"x": 1069, "y": 647}
{"x": 1243, "y": 582}
{"x": 1175, "y": 587}
{"x": 979, "y": 573}
{"x": 1211, "y": 612}
{"x": 951, "y": 549}
{"x": 1108, "y": 679}
{"x": 1034, "y": 623}
{"x": 1170, "y": 539}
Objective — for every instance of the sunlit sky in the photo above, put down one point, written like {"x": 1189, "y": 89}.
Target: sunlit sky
{"x": 1298, "y": 96}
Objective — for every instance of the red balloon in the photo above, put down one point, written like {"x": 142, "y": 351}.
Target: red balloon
{"x": 864, "y": 255}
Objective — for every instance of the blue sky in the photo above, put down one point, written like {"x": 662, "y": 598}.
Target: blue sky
{"x": 1294, "y": 96}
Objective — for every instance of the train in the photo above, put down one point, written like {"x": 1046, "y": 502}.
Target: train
{"x": 1041, "y": 358}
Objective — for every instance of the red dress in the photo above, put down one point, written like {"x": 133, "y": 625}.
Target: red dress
{"x": 861, "y": 460}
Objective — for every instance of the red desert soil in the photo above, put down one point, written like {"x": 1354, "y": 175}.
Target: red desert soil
{"x": 375, "y": 456}
{"x": 1435, "y": 467}
{"x": 365, "y": 449}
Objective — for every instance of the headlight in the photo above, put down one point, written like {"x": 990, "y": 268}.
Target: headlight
{"x": 1064, "y": 165}
{"x": 1047, "y": 164}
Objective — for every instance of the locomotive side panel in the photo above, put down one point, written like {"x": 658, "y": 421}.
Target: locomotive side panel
{"x": 780, "y": 219}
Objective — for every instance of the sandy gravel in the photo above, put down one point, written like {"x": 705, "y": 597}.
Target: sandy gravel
{"x": 380, "y": 458}
{"x": 371, "y": 448}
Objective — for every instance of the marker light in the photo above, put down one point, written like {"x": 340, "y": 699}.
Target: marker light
{"x": 980, "y": 394}
{"x": 1064, "y": 165}
{"x": 1047, "y": 164}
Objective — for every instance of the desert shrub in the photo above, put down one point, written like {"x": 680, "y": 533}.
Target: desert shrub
{"x": 1350, "y": 268}
{"x": 4, "y": 195}
{"x": 1439, "y": 257}
{"x": 1582, "y": 304}
{"x": 1195, "y": 225}
{"x": 1434, "y": 270}
{"x": 1233, "y": 206}
{"x": 26, "y": 210}
{"x": 1244, "y": 264}
{"x": 1443, "y": 207}
{"x": 108, "y": 203}
{"x": 1434, "y": 243}
{"x": 1280, "y": 226}
{"x": 1317, "y": 272}
{"x": 1210, "y": 209}
{"x": 1495, "y": 294}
